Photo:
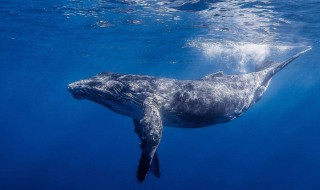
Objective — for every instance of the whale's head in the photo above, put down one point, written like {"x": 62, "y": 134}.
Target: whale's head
{"x": 105, "y": 89}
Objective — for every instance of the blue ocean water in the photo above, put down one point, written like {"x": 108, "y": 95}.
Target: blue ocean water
{"x": 48, "y": 140}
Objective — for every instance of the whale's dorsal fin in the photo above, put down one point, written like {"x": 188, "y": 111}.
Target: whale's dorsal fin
{"x": 213, "y": 75}
{"x": 149, "y": 130}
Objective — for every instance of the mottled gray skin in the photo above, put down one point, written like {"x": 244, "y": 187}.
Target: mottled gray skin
{"x": 153, "y": 102}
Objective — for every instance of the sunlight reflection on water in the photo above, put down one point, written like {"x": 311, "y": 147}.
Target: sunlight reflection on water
{"x": 239, "y": 33}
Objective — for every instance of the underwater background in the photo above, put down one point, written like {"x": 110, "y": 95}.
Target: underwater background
{"x": 49, "y": 140}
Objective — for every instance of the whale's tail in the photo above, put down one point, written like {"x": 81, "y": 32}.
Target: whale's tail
{"x": 280, "y": 66}
{"x": 272, "y": 69}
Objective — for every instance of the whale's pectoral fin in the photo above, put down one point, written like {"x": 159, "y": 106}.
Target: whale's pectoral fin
{"x": 155, "y": 166}
{"x": 149, "y": 129}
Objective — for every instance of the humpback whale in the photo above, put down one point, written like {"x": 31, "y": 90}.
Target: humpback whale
{"x": 154, "y": 102}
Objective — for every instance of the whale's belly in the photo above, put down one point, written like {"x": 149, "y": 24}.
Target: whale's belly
{"x": 182, "y": 120}
{"x": 196, "y": 113}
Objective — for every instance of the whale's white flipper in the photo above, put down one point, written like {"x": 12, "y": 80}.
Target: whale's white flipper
{"x": 149, "y": 129}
